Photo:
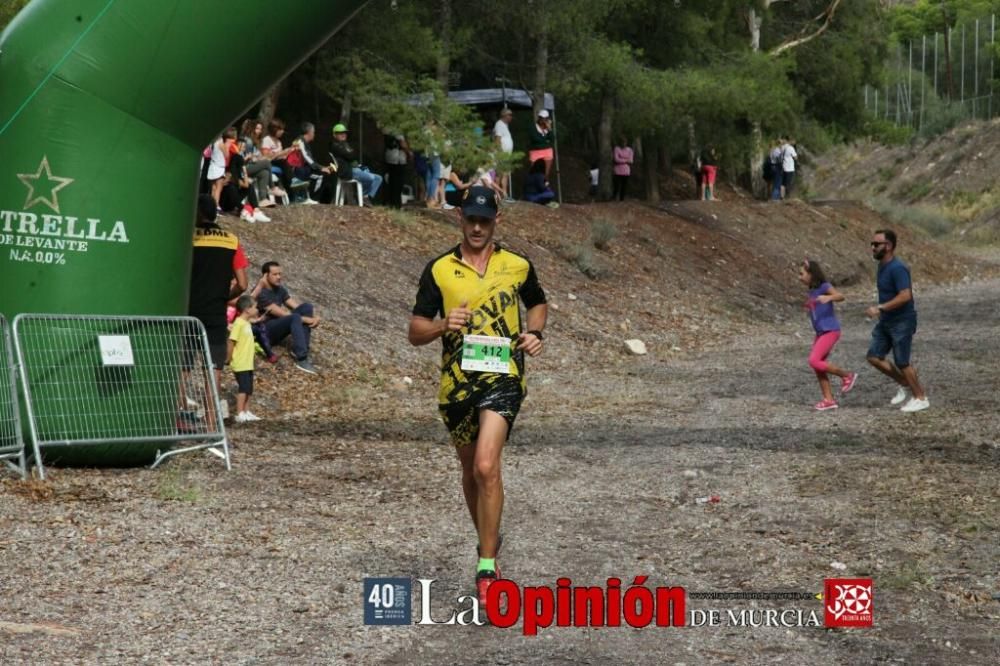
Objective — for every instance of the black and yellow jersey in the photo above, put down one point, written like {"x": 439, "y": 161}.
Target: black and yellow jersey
{"x": 211, "y": 270}
{"x": 494, "y": 299}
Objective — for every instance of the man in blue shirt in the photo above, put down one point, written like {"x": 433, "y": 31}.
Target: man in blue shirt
{"x": 897, "y": 322}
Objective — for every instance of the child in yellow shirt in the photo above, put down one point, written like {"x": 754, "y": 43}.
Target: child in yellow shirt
{"x": 240, "y": 356}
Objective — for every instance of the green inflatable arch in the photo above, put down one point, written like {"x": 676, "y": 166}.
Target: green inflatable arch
{"x": 105, "y": 107}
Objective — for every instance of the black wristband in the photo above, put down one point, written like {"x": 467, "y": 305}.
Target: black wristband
{"x": 537, "y": 334}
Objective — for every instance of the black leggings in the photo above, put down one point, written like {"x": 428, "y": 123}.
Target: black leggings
{"x": 620, "y": 187}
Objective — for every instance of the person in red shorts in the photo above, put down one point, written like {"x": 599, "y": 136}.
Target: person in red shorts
{"x": 709, "y": 168}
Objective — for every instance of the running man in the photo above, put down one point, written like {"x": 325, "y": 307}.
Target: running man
{"x": 476, "y": 289}
{"x": 897, "y": 322}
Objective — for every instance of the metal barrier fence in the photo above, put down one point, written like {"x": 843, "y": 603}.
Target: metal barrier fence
{"x": 934, "y": 77}
{"x": 116, "y": 390}
{"x": 11, "y": 439}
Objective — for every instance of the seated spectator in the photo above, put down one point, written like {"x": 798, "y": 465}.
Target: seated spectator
{"x": 347, "y": 166}
{"x": 258, "y": 167}
{"x": 285, "y": 315}
{"x": 239, "y": 193}
{"x": 304, "y": 166}
{"x": 273, "y": 150}
{"x": 488, "y": 178}
{"x": 218, "y": 162}
{"x": 536, "y": 188}
{"x": 454, "y": 188}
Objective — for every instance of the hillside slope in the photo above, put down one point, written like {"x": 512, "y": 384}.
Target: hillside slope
{"x": 685, "y": 277}
{"x": 950, "y": 178}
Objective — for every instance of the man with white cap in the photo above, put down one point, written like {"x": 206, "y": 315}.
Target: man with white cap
{"x": 542, "y": 139}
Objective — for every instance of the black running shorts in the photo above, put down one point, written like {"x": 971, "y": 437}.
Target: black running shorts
{"x": 462, "y": 418}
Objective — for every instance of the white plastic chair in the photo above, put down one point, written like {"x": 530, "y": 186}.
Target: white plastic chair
{"x": 338, "y": 197}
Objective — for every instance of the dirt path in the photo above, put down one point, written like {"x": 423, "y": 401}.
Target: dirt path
{"x": 263, "y": 565}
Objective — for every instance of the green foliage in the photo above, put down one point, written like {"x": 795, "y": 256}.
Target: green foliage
{"x": 929, "y": 219}
{"x": 9, "y": 9}
{"x": 602, "y": 232}
{"x": 886, "y": 131}
{"x": 582, "y": 256}
{"x": 422, "y": 112}
{"x": 925, "y": 17}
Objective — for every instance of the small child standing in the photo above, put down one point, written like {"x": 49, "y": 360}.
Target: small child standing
{"x": 822, "y": 296}
{"x": 240, "y": 356}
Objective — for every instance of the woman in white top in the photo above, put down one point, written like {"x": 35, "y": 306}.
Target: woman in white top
{"x": 219, "y": 161}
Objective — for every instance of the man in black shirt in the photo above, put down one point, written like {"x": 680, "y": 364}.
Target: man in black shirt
{"x": 286, "y": 315}
{"x": 212, "y": 270}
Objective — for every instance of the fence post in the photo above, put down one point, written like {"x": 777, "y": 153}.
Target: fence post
{"x": 962, "y": 68}
{"x": 909, "y": 89}
{"x": 923, "y": 81}
{"x": 935, "y": 64}
{"x": 975, "y": 102}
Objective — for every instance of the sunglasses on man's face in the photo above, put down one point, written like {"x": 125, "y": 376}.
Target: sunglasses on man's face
{"x": 879, "y": 243}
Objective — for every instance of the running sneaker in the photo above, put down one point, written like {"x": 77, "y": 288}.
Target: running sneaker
{"x": 247, "y": 216}
{"x": 259, "y": 216}
{"x": 305, "y": 366}
{"x": 848, "y": 382}
{"x": 824, "y": 405}
{"x": 246, "y": 417}
{"x": 902, "y": 395}
{"x": 484, "y": 579}
{"x": 915, "y": 405}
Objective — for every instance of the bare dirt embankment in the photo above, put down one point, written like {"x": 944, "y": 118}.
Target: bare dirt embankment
{"x": 349, "y": 475}
{"x": 946, "y": 183}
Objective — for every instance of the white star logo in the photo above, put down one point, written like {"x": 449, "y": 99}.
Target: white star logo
{"x": 52, "y": 185}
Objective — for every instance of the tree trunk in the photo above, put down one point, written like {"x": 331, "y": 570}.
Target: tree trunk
{"x": 345, "y": 109}
{"x": 757, "y": 185}
{"x": 948, "y": 76}
{"x": 753, "y": 24}
{"x": 604, "y": 146}
{"x": 541, "y": 63}
{"x": 444, "y": 58}
{"x": 756, "y": 173}
{"x": 692, "y": 144}
{"x": 269, "y": 104}
{"x": 651, "y": 172}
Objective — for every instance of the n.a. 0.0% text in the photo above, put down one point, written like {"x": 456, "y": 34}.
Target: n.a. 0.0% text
{"x": 38, "y": 257}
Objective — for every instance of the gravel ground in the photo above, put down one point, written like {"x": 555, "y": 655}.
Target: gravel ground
{"x": 189, "y": 564}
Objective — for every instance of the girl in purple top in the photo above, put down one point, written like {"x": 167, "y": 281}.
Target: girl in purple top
{"x": 822, "y": 296}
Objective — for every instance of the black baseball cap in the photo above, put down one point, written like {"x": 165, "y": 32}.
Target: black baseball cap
{"x": 479, "y": 201}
